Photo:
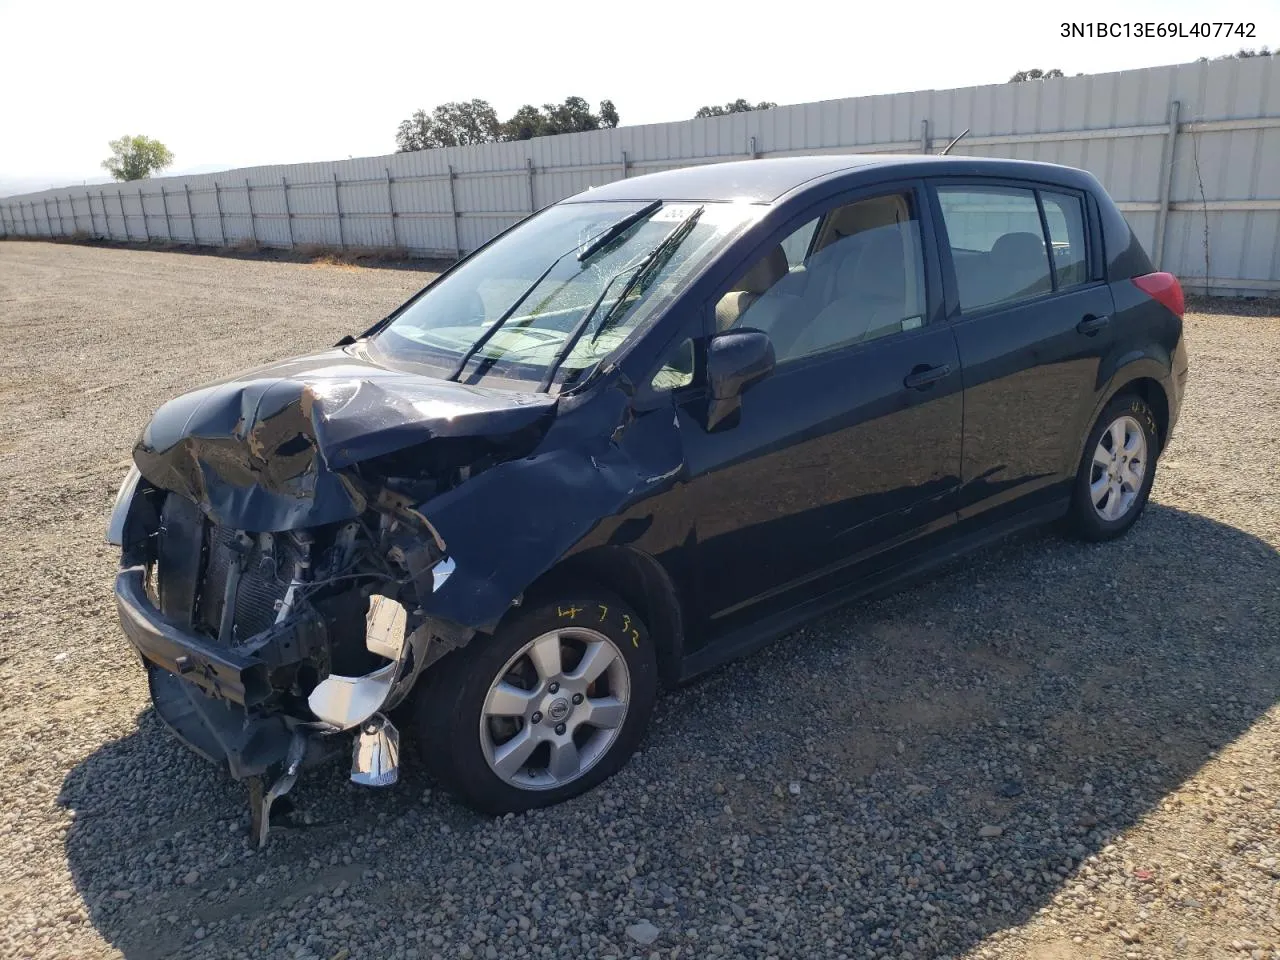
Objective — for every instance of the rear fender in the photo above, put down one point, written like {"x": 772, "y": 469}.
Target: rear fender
{"x": 1150, "y": 362}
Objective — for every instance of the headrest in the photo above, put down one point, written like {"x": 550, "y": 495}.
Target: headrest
{"x": 875, "y": 266}
{"x": 1021, "y": 251}
{"x": 771, "y": 268}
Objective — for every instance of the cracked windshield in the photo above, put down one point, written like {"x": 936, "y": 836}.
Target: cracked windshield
{"x": 562, "y": 291}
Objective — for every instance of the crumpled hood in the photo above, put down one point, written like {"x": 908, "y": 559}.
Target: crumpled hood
{"x": 262, "y": 450}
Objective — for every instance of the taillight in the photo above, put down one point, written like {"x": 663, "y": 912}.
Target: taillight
{"x": 1163, "y": 287}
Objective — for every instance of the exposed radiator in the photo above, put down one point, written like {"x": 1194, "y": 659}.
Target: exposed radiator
{"x": 263, "y": 582}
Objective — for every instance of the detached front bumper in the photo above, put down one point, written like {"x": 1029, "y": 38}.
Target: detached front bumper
{"x": 219, "y": 672}
{"x": 203, "y": 692}
{"x": 253, "y": 657}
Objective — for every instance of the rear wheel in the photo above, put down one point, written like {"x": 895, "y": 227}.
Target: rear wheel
{"x": 551, "y": 705}
{"x": 1116, "y": 471}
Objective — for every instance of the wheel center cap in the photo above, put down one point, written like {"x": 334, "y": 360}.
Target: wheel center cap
{"x": 558, "y": 709}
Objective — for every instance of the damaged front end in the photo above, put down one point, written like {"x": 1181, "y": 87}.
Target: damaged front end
{"x": 275, "y": 568}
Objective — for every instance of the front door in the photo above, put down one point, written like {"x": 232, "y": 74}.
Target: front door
{"x": 852, "y": 445}
{"x": 1032, "y": 323}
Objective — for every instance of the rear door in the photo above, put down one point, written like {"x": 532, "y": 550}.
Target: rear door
{"x": 851, "y": 447}
{"x": 1032, "y": 319}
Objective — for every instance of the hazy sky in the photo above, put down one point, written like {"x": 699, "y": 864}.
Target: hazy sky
{"x": 240, "y": 83}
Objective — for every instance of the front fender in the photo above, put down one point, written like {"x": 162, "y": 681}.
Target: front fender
{"x": 505, "y": 527}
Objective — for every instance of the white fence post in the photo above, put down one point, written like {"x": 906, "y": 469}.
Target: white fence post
{"x": 191, "y": 215}
{"x": 337, "y": 205}
{"x": 391, "y": 209}
{"x": 217, "y": 202}
{"x": 248, "y": 196}
{"x": 168, "y": 223}
{"x": 453, "y": 210}
{"x": 1166, "y": 183}
{"x": 288, "y": 216}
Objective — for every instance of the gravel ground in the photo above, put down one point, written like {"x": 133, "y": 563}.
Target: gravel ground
{"x": 1051, "y": 751}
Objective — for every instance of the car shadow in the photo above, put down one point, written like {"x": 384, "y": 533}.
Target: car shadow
{"x": 959, "y": 747}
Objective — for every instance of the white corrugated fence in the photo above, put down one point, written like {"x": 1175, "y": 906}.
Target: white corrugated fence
{"x": 1191, "y": 153}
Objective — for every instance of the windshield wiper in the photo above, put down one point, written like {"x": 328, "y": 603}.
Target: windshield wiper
{"x": 669, "y": 242}
{"x": 497, "y": 324}
{"x": 598, "y": 243}
{"x": 617, "y": 230}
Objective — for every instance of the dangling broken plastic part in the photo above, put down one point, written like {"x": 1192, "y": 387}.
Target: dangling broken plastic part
{"x": 375, "y": 755}
{"x": 260, "y": 803}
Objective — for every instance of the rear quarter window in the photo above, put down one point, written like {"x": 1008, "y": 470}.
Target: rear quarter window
{"x": 1064, "y": 216}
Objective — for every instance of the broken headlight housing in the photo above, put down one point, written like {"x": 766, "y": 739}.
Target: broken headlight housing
{"x": 120, "y": 512}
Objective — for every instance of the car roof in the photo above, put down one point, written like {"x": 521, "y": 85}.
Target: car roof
{"x": 766, "y": 180}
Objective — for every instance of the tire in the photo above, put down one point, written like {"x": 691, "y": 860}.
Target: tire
{"x": 463, "y": 740}
{"x": 1104, "y": 516}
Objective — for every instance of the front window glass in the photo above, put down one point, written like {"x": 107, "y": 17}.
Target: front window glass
{"x": 533, "y": 277}
{"x": 861, "y": 278}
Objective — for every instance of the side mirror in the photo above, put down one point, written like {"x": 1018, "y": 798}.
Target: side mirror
{"x": 735, "y": 361}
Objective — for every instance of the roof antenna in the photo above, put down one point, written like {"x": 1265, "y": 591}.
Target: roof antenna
{"x": 947, "y": 148}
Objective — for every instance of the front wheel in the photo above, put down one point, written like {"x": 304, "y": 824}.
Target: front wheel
{"x": 551, "y": 705}
{"x": 1116, "y": 472}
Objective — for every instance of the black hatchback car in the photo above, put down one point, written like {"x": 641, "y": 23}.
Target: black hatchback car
{"x": 644, "y": 431}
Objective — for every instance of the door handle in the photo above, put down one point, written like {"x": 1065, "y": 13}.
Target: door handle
{"x": 1091, "y": 324}
{"x": 922, "y": 376}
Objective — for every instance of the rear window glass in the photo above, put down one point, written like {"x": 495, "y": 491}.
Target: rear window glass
{"x": 997, "y": 244}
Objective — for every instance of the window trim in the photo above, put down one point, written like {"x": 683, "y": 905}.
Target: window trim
{"x": 1048, "y": 238}
{"x": 934, "y": 284}
{"x": 953, "y": 309}
{"x": 649, "y": 397}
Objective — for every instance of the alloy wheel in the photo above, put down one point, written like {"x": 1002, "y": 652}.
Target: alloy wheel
{"x": 1119, "y": 465}
{"x": 555, "y": 708}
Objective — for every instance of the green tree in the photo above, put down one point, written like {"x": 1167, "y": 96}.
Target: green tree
{"x": 737, "y": 106}
{"x": 608, "y": 114}
{"x": 525, "y": 124}
{"x": 453, "y": 124}
{"x": 136, "y": 158}
{"x": 1244, "y": 53}
{"x": 474, "y": 121}
{"x": 1036, "y": 74}
{"x": 572, "y": 116}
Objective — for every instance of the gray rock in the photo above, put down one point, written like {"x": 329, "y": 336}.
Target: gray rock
{"x": 643, "y": 933}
